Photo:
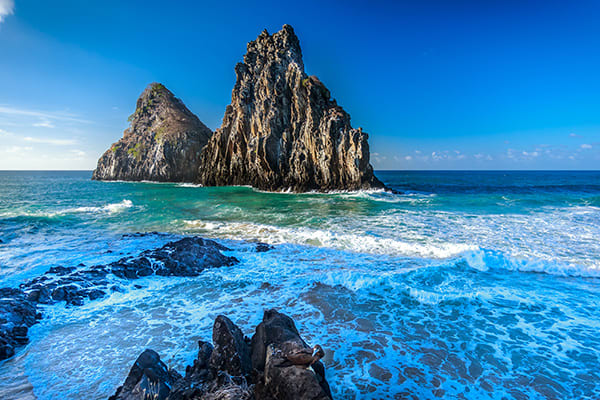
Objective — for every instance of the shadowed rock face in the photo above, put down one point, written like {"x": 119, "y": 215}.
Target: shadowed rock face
{"x": 148, "y": 379}
{"x": 283, "y": 130}
{"x": 236, "y": 369}
{"x": 162, "y": 144}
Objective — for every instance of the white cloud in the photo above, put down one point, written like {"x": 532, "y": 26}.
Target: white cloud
{"x": 44, "y": 124}
{"x": 15, "y": 149}
{"x": 78, "y": 153}
{"x": 43, "y": 115}
{"x": 586, "y": 146}
{"x": 7, "y": 7}
{"x": 408, "y": 158}
{"x": 57, "y": 142}
{"x": 573, "y": 135}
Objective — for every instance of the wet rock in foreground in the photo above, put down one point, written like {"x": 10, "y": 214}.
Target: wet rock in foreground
{"x": 18, "y": 307}
{"x": 17, "y": 315}
{"x": 149, "y": 378}
{"x": 240, "y": 368}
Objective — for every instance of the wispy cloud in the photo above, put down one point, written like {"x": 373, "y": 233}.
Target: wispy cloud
{"x": 586, "y": 146}
{"x": 573, "y": 135}
{"x": 15, "y": 149}
{"x": 57, "y": 142}
{"x": 7, "y": 7}
{"x": 44, "y": 124}
{"x": 42, "y": 115}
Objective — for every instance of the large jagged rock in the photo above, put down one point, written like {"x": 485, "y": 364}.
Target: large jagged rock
{"x": 275, "y": 337}
{"x": 226, "y": 372}
{"x": 162, "y": 144}
{"x": 231, "y": 353}
{"x": 148, "y": 379}
{"x": 283, "y": 130}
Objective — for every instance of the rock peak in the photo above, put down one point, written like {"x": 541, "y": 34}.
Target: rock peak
{"x": 282, "y": 130}
{"x": 283, "y": 44}
{"x": 163, "y": 142}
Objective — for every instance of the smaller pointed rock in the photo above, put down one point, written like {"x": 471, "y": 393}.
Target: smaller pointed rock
{"x": 162, "y": 144}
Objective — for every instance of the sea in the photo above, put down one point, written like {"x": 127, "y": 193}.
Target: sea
{"x": 463, "y": 285}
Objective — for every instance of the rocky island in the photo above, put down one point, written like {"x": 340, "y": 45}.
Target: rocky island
{"x": 162, "y": 144}
{"x": 282, "y": 131}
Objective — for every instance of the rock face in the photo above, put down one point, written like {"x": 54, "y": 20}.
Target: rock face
{"x": 162, "y": 144}
{"x": 283, "y": 130}
{"x": 275, "y": 337}
{"x": 239, "y": 368}
{"x": 148, "y": 379}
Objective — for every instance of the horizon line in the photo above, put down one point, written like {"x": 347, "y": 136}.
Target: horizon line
{"x": 376, "y": 170}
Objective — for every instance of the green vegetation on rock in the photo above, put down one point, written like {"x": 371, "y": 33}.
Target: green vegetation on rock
{"x": 136, "y": 151}
{"x": 160, "y": 133}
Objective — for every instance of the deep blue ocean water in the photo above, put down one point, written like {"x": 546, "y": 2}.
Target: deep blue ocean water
{"x": 469, "y": 285}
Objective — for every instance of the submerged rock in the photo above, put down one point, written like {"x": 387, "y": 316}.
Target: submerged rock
{"x": 283, "y": 130}
{"x": 185, "y": 257}
{"x": 228, "y": 371}
{"x": 162, "y": 144}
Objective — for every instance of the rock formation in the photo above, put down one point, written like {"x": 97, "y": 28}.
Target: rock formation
{"x": 283, "y": 130}
{"x": 17, "y": 315}
{"x": 236, "y": 368}
{"x": 74, "y": 285}
{"x": 162, "y": 144}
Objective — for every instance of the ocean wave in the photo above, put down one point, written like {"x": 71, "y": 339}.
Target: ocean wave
{"x": 356, "y": 242}
{"x": 108, "y": 208}
{"x": 484, "y": 260}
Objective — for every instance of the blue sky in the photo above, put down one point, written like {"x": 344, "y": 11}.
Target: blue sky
{"x": 436, "y": 84}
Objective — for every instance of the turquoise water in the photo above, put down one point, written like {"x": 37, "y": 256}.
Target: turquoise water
{"x": 468, "y": 285}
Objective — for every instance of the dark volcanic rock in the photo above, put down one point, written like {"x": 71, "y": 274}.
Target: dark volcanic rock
{"x": 263, "y": 247}
{"x": 275, "y": 328}
{"x": 162, "y": 144}
{"x": 185, "y": 257}
{"x": 148, "y": 379}
{"x": 17, "y": 314}
{"x": 283, "y": 130}
{"x": 275, "y": 337}
{"x": 222, "y": 372}
{"x": 232, "y": 350}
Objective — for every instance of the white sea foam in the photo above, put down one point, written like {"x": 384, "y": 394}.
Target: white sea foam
{"x": 108, "y": 208}
{"x": 357, "y": 242}
{"x": 483, "y": 260}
